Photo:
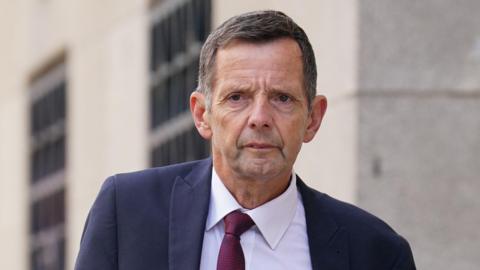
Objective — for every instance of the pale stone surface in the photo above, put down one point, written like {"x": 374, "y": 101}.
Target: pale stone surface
{"x": 329, "y": 163}
{"x": 422, "y": 45}
{"x": 420, "y": 171}
{"x": 109, "y": 97}
{"x": 419, "y": 125}
{"x": 105, "y": 46}
{"x": 14, "y": 229}
{"x": 13, "y": 139}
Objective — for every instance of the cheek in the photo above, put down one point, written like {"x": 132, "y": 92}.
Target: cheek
{"x": 225, "y": 132}
{"x": 232, "y": 125}
{"x": 293, "y": 134}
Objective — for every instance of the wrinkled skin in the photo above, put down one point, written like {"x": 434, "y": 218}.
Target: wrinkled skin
{"x": 259, "y": 117}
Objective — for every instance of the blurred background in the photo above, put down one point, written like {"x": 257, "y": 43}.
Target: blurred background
{"x": 92, "y": 88}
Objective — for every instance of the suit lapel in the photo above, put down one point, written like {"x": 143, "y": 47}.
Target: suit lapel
{"x": 188, "y": 213}
{"x": 328, "y": 242}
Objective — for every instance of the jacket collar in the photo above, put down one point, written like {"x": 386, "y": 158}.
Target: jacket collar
{"x": 327, "y": 241}
{"x": 188, "y": 214}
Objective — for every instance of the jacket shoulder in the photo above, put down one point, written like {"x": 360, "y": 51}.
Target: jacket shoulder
{"x": 344, "y": 214}
{"x": 152, "y": 180}
{"x": 163, "y": 174}
{"x": 373, "y": 241}
{"x": 132, "y": 210}
{"x": 354, "y": 217}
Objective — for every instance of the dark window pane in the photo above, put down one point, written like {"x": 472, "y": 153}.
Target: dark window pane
{"x": 177, "y": 33}
{"x": 191, "y": 77}
{"x": 173, "y": 151}
{"x": 167, "y": 39}
{"x": 181, "y": 24}
{"x": 201, "y": 15}
{"x": 35, "y": 165}
{"x": 153, "y": 108}
{"x": 174, "y": 36}
{"x": 162, "y": 46}
{"x": 61, "y": 254}
{"x": 33, "y": 117}
{"x": 167, "y": 156}
{"x": 50, "y": 109}
{"x": 47, "y": 156}
{"x": 154, "y": 47}
{"x": 182, "y": 90}
{"x": 172, "y": 96}
{"x": 35, "y": 260}
{"x": 62, "y": 100}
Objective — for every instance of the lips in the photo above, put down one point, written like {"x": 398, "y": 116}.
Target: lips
{"x": 258, "y": 145}
{"x": 259, "y": 141}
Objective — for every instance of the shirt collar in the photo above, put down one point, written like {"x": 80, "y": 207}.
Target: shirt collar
{"x": 280, "y": 211}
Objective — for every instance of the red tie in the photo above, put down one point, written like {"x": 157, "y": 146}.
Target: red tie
{"x": 231, "y": 256}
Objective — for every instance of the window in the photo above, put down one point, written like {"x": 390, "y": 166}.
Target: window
{"x": 47, "y": 170}
{"x": 178, "y": 31}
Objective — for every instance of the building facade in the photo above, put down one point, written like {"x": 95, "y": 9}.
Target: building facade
{"x": 93, "y": 88}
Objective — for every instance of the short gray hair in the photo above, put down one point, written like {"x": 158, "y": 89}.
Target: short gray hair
{"x": 257, "y": 26}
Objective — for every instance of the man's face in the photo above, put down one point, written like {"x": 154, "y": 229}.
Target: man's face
{"x": 259, "y": 116}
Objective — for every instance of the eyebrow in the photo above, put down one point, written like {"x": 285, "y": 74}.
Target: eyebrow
{"x": 232, "y": 87}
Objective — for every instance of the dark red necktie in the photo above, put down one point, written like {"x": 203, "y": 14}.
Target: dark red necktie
{"x": 231, "y": 256}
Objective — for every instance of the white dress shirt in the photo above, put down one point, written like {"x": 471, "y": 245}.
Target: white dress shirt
{"x": 278, "y": 240}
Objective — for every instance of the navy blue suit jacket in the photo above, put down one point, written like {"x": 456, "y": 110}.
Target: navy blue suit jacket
{"x": 155, "y": 219}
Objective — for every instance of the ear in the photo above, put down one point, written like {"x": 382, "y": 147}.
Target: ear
{"x": 200, "y": 114}
{"x": 319, "y": 107}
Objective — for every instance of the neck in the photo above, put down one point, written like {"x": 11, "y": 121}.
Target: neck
{"x": 251, "y": 193}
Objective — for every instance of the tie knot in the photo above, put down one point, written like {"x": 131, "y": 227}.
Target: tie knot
{"x": 237, "y": 223}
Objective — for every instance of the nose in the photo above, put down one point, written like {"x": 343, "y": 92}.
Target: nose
{"x": 260, "y": 115}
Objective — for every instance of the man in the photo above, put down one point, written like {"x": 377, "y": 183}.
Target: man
{"x": 244, "y": 208}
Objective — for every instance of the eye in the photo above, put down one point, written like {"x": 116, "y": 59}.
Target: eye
{"x": 283, "y": 101}
{"x": 283, "y": 98}
{"x": 235, "y": 97}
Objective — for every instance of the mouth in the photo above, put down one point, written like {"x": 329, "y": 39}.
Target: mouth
{"x": 260, "y": 146}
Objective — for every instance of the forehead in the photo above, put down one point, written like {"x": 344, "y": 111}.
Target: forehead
{"x": 278, "y": 61}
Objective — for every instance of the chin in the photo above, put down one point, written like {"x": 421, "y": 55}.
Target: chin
{"x": 261, "y": 168}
